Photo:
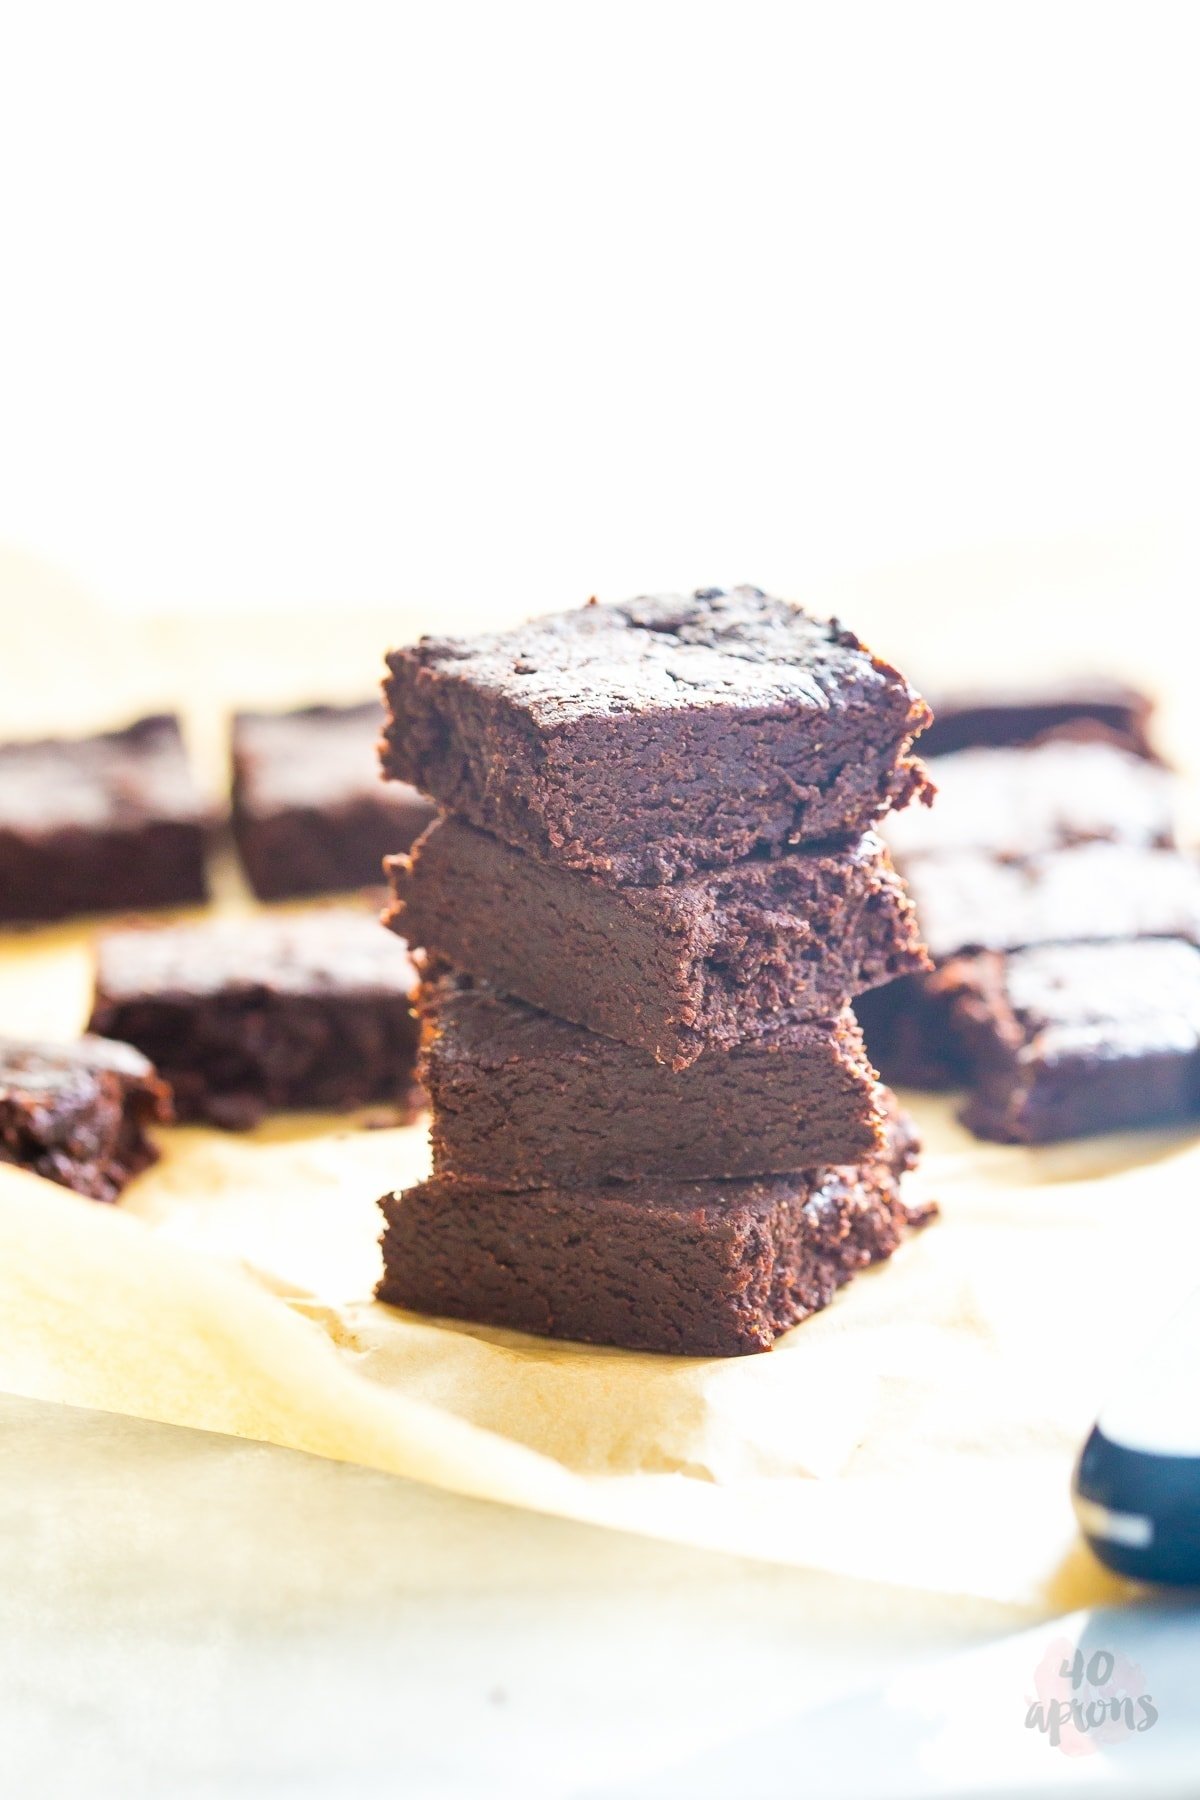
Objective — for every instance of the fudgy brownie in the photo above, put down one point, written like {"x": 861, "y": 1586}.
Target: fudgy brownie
{"x": 1070, "y": 1039}
{"x": 997, "y": 715}
{"x": 311, "y": 813}
{"x": 523, "y": 1100}
{"x": 77, "y": 1113}
{"x": 705, "y": 963}
{"x": 972, "y": 901}
{"x": 697, "y": 1268}
{"x": 250, "y": 1016}
{"x": 1016, "y": 803}
{"x": 101, "y": 823}
{"x": 645, "y": 741}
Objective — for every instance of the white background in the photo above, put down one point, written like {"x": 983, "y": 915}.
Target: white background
{"x": 350, "y": 303}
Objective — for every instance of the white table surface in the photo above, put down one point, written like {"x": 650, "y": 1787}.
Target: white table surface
{"x": 183, "y": 1614}
{"x": 186, "y": 1614}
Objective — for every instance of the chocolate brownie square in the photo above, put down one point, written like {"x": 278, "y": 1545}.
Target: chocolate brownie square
{"x": 1018, "y": 714}
{"x": 77, "y": 1113}
{"x": 1065, "y": 840}
{"x": 1097, "y": 891}
{"x": 1090, "y": 893}
{"x": 645, "y": 741}
{"x": 692, "y": 1268}
{"x": 257, "y": 1015}
{"x": 1018, "y": 803}
{"x": 523, "y": 1100}
{"x": 311, "y": 812}
{"x": 712, "y": 960}
{"x": 99, "y": 824}
{"x": 1065, "y": 1040}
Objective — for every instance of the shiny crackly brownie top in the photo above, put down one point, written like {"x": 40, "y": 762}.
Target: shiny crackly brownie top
{"x": 715, "y": 647}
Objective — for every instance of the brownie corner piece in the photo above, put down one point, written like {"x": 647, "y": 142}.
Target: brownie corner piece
{"x": 100, "y": 824}
{"x": 702, "y": 1268}
{"x": 644, "y": 741}
{"x": 311, "y": 811}
{"x": 246, "y": 1016}
{"x": 77, "y": 1113}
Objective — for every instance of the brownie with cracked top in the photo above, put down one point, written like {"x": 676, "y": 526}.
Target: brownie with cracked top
{"x": 1065, "y": 1040}
{"x": 520, "y": 1099}
{"x": 256, "y": 1015}
{"x": 712, "y": 960}
{"x": 641, "y": 742}
{"x": 77, "y": 1112}
{"x": 100, "y": 824}
{"x": 693, "y": 1268}
{"x": 311, "y": 812}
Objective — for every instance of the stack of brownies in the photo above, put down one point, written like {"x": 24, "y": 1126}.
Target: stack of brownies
{"x": 652, "y": 893}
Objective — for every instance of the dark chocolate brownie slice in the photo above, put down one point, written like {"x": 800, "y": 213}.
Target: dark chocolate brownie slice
{"x": 1018, "y": 714}
{"x": 77, "y": 1113}
{"x": 1018, "y": 803}
{"x": 523, "y": 1100}
{"x": 257, "y": 1015}
{"x": 1065, "y": 1040}
{"x": 311, "y": 813}
{"x": 705, "y": 963}
{"x": 101, "y": 823}
{"x": 646, "y": 741}
{"x": 694, "y": 1268}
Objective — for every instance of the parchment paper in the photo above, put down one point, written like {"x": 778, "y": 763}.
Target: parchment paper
{"x": 921, "y": 1431}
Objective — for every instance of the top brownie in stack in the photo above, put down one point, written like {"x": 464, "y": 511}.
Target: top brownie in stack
{"x": 644, "y": 741}
{"x": 726, "y": 741}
